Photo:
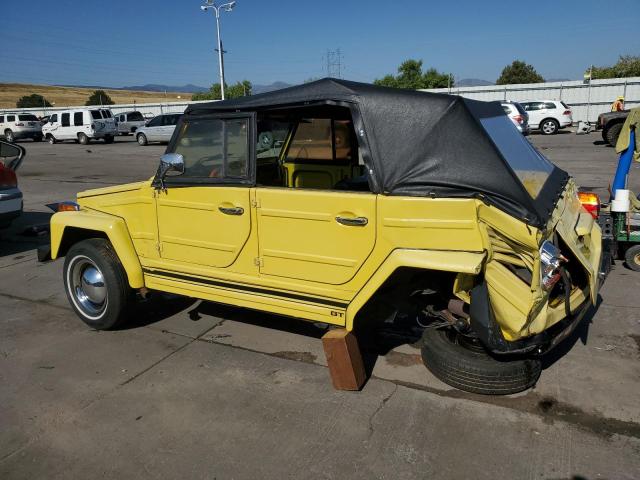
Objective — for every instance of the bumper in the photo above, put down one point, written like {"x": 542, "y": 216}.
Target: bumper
{"x": 10, "y": 206}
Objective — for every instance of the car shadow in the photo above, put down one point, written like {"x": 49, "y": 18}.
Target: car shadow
{"x": 602, "y": 142}
{"x": 159, "y": 306}
{"x": 29, "y": 231}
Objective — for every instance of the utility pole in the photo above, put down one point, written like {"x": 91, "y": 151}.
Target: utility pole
{"x": 334, "y": 63}
{"x": 227, "y": 7}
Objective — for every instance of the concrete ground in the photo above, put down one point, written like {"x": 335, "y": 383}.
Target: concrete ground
{"x": 200, "y": 390}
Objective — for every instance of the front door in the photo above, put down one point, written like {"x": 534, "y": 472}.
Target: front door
{"x": 204, "y": 214}
{"x": 315, "y": 235}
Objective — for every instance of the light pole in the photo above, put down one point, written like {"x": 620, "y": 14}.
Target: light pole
{"x": 227, "y": 7}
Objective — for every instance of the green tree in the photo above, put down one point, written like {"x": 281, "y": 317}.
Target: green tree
{"x": 99, "y": 97}
{"x": 238, "y": 89}
{"x": 32, "y": 101}
{"x": 627, "y": 66}
{"x": 519, "y": 72}
{"x": 410, "y": 75}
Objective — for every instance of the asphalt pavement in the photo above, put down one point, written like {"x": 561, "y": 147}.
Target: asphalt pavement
{"x": 199, "y": 390}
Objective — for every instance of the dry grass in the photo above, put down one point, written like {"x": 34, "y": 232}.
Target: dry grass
{"x": 73, "y": 96}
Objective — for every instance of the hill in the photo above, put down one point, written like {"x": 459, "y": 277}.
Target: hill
{"x": 72, "y": 96}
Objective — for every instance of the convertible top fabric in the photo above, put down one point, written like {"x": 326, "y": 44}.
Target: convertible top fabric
{"x": 424, "y": 144}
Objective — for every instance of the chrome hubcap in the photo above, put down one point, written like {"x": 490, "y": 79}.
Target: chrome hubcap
{"x": 87, "y": 286}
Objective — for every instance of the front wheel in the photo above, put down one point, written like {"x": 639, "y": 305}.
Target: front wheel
{"x": 462, "y": 362}
{"x": 96, "y": 283}
{"x": 632, "y": 257}
{"x": 549, "y": 126}
{"x": 142, "y": 139}
{"x": 51, "y": 139}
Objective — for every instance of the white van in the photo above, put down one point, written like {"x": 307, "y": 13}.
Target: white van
{"x": 81, "y": 125}
{"x": 129, "y": 122}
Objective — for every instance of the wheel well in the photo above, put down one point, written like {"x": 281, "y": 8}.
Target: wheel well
{"x": 73, "y": 235}
{"x": 549, "y": 118}
{"x": 613, "y": 122}
{"x": 394, "y": 299}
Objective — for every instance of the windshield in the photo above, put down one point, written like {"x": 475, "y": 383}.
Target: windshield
{"x": 95, "y": 114}
{"x": 530, "y": 166}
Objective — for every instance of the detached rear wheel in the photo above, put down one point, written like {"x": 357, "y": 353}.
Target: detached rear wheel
{"x": 463, "y": 363}
{"x": 632, "y": 257}
{"x": 96, "y": 284}
{"x": 612, "y": 134}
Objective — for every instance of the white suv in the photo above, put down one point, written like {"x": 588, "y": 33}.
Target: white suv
{"x": 548, "y": 116}
{"x": 81, "y": 125}
{"x": 14, "y": 126}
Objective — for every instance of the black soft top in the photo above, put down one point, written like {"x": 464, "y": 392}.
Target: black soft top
{"x": 425, "y": 144}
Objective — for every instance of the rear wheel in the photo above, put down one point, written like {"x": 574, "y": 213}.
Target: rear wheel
{"x": 462, "y": 362}
{"x": 9, "y": 136}
{"x": 83, "y": 139}
{"x": 549, "y": 126}
{"x": 96, "y": 283}
{"x": 632, "y": 257}
{"x": 612, "y": 133}
{"x": 108, "y": 139}
{"x": 142, "y": 139}
{"x": 37, "y": 138}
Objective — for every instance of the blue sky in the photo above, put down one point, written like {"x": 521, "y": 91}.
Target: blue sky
{"x": 117, "y": 42}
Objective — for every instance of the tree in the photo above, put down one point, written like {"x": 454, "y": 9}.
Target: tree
{"x": 33, "y": 101}
{"x": 410, "y": 75}
{"x": 99, "y": 97}
{"x": 519, "y": 72}
{"x": 238, "y": 89}
{"x": 627, "y": 66}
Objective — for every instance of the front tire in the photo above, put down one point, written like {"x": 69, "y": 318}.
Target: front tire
{"x": 51, "y": 139}
{"x": 142, "y": 139}
{"x": 463, "y": 363}
{"x": 9, "y": 136}
{"x": 549, "y": 126}
{"x": 96, "y": 284}
{"x": 632, "y": 257}
{"x": 612, "y": 133}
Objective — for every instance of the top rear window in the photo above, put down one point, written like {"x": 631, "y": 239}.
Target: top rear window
{"x": 28, "y": 118}
{"x": 519, "y": 108}
{"x": 95, "y": 114}
{"x": 135, "y": 117}
{"x": 564, "y": 105}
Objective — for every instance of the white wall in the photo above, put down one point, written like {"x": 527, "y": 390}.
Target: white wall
{"x": 573, "y": 93}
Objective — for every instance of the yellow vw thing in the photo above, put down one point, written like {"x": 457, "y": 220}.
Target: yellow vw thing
{"x": 358, "y": 206}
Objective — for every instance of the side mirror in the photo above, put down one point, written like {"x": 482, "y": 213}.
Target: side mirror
{"x": 170, "y": 162}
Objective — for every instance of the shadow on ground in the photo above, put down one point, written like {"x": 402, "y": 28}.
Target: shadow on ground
{"x": 27, "y": 232}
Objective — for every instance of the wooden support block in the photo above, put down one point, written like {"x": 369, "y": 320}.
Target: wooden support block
{"x": 344, "y": 359}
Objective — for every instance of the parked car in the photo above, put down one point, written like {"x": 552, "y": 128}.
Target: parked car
{"x": 158, "y": 129}
{"x": 548, "y": 116}
{"x": 611, "y": 125}
{"x": 16, "y": 126}
{"x": 129, "y": 122}
{"x": 11, "y": 156}
{"x": 81, "y": 125}
{"x": 362, "y": 219}
{"x": 517, "y": 115}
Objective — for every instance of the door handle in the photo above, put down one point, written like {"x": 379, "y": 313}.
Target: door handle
{"x": 352, "y": 221}
{"x": 231, "y": 210}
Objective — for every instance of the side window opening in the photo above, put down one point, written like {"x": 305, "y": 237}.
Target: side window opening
{"x": 319, "y": 150}
{"x": 77, "y": 119}
{"x": 65, "y": 119}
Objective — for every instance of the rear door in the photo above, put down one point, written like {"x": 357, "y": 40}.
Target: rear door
{"x": 168, "y": 126}
{"x": 204, "y": 215}
{"x": 152, "y": 131}
{"x": 535, "y": 110}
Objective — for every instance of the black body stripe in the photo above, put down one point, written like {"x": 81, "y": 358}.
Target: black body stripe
{"x": 245, "y": 288}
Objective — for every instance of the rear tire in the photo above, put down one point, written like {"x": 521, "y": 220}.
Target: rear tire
{"x": 549, "y": 126}
{"x": 612, "y": 133}
{"x": 632, "y": 257}
{"x": 37, "y": 138}
{"x": 83, "y": 139}
{"x": 108, "y": 139}
{"x": 464, "y": 363}
{"x": 96, "y": 284}
{"x": 142, "y": 139}
{"x": 9, "y": 136}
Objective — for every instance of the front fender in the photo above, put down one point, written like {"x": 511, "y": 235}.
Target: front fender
{"x": 113, "y": 227}
{"x": 447, "y": 261}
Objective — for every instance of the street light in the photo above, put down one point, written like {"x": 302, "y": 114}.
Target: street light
{"x": 227, "y": 7}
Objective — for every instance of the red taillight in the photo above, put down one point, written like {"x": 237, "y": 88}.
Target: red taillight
{"x": 567, "y": 112}
{"x": 518, "y": 118}
{"x": 8, "y": 177}
{"x": 590, "y": 202}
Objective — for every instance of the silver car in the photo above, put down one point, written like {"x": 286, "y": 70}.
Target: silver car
{"x": 129, "y": 122}
{"x": 14, "y": 126}
{"x": 159, "y": 129}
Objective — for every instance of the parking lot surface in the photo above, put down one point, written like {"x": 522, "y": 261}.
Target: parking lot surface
{"x": 198, "y": 390}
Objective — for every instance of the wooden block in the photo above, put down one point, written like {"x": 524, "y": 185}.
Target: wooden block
{"x": 344, "y": 359}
